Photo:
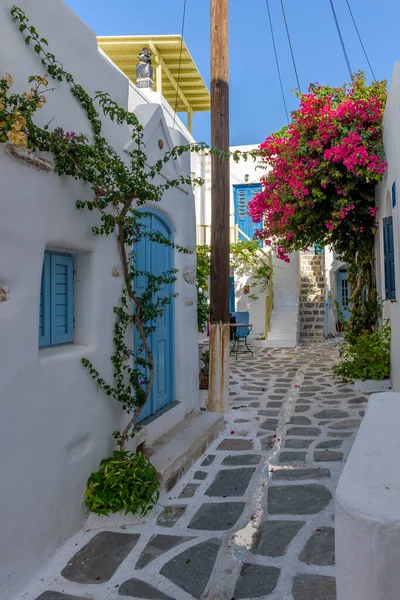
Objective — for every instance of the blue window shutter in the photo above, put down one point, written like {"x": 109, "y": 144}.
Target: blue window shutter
{"x": 242, "y": 196}
{"x": 394, "y": 194}
{"x": 388, "y": 247}
{"x": 62, "y": 299}
{"x": 45, "y": 305}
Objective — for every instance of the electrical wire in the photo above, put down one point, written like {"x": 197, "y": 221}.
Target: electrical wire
{"x": 180, "y": 60}
{"x": 341, "y": 39}
{"x": 359, "y": 37}
{"x": 291, "y": 48}
{"x": 277, "y": 61}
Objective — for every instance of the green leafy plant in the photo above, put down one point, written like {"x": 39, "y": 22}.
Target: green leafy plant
{"x": 366, "y": 357}
{"x": 124, "y": 482}
{"x": 202, "y": 275}
{"x": 205, "y": 358}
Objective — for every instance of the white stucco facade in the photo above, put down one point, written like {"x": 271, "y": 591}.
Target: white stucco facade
{"x": 367, "y": 515}
{"x": 55, "y": 424}
{"x": 391, "y": 139}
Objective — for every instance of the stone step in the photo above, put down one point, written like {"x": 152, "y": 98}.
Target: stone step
{"x": 175, "y": 452}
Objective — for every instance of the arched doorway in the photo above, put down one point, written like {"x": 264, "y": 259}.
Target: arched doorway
{"x": 156, "y": 258}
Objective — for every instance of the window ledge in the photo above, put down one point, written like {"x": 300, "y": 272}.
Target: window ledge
{"x": 67, "y": 351}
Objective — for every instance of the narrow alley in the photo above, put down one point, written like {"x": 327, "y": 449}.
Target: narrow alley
{"x": 253, "y": 518}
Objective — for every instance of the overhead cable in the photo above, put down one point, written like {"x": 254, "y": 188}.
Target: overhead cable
{"x": 277, "y": 61}
{"x": 291, "y": 48}
{"x": 341, "y": 40}
{"x": 359, "y": 37}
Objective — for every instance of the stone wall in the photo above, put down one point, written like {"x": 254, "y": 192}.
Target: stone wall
{"x": 312, "y": 298}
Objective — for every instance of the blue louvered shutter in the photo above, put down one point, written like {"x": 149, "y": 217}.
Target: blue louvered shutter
{"x": 242, "y": 196}
{"x": 45, "y": 304}
{"x": 388, "y": 247}
{"x": 62, "y": 299}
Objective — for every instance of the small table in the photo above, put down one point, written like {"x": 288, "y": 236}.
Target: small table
{"x": 238, "y": 338}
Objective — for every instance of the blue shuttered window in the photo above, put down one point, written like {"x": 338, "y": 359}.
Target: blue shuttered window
{"x": 242, "y": 196}
{"x": 56, "y": 316}
{"x": 388, "y": 247}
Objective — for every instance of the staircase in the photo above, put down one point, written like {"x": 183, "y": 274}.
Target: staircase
{"x": 312, "y": 298}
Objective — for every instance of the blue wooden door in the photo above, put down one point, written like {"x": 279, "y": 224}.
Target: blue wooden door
{"x": 343, "y": 292}
{"x": 157, "y": 258}
{"x": 242, "y": 196}
{"x": 388, "y": 247}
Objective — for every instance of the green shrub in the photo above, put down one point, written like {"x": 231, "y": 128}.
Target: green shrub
{"x": 124, "y": 482}
{"x": 367, "y": 357}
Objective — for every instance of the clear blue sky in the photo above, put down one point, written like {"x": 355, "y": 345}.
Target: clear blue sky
{"x": 256, "y": 107}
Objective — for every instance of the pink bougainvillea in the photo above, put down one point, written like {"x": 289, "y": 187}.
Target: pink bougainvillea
{"x": 322, "y": 168}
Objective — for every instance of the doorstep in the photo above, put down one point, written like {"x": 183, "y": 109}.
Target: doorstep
{"x": 176, "y": 451}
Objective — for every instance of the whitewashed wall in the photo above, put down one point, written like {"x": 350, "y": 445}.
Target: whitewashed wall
{"x": 391, "y": 138}
{"x": 55, "y": 424}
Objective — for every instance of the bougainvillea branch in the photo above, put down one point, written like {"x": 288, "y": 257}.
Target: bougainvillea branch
{"x": 319, "y": 186}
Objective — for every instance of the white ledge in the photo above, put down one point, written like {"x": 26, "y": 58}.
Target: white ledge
{"x": 28, "y": 156}
{"x": 367, "y": 517}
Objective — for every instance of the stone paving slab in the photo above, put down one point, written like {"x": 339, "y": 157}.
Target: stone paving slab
{"x": 320, "y": 548}
{"x": 275, "y": 537}
{"x": 135, "y": 588}
{"x": 249, "y": 518}
{"x": 232, "y": 482}
{"x": 50, "y": 595}
{"x": 191, "y": 570}
{"x": 256, "y": 581}
{"x": 314, "y": 587}
{"x": 98, "y": 560}
{"x": 217, "y": 516}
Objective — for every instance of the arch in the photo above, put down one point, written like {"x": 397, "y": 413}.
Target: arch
{"x": 156, "y": 258}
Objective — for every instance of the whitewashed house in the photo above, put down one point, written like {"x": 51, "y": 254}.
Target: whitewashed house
{"x": 281, "y": 328}
{"x": 55, "y": 424}
{"x": 388, "y": 225}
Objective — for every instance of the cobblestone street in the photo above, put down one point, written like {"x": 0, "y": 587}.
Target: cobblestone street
{"x": 253, "y": 518}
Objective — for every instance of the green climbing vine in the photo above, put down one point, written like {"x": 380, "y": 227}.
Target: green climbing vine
{"x": 120, "y": 190}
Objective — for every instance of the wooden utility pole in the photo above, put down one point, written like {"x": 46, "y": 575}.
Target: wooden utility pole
{"x": 220, "y": 197}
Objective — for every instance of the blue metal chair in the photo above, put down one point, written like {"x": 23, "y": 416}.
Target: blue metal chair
{"x": 240, "y": 333}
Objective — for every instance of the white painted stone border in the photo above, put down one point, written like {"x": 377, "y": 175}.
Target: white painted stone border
{"x": 372, "y": 386}
{"x": 367, "y": 518}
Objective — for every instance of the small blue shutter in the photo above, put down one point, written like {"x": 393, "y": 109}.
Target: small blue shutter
{"x": 62, "y": 299}
{"x": 231, "y": 294}
{"x": 388, "y": 246}
{"x": 242, "y": 196}
{"x": 45, "y": 305}
{"x": 394, "y": 194}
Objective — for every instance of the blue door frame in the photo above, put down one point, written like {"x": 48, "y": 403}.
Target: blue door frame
{"x": 343, "y": 292}
{"x": 242, "y": 194}
{"x": 157, "y": 258}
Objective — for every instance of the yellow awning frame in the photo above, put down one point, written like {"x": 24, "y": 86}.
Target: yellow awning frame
{"x": 172, "y": 62}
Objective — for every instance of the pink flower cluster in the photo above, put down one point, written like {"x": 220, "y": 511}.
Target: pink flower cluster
{"x": 305, "y": 183}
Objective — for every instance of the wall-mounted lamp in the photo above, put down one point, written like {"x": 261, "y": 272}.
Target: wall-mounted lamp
{"x": 374, "y": 229}
{"x": 246, "y": 178}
